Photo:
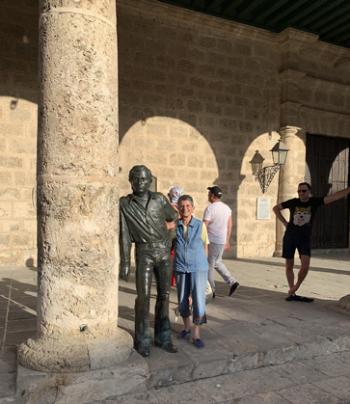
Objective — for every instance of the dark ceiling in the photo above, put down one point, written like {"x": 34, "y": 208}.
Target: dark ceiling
{"x": 330, "y": 19}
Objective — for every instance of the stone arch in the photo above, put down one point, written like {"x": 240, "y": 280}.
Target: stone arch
{"x": 253, "y": 233}
{"x": 175, "y": 151}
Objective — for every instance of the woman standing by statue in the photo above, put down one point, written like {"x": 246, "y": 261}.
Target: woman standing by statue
{"x": 191, "y": 269}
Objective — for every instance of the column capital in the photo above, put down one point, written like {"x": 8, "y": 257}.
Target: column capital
{"x": 289, "y": 130}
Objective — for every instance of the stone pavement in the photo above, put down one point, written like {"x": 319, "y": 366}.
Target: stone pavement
{"x": 258, "y": 346}
{"x": 323, "y": 379}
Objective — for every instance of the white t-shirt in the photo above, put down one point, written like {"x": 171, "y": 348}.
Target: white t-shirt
{"x": 217, "y": 214}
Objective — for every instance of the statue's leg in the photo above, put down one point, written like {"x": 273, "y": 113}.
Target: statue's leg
{"x": 144, "y": 269}
{"x": 162, "y": 329}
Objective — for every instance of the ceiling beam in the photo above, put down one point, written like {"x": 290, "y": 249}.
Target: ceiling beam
{"x": 343, "y": 27}
{"x": 247, "y": 11}
{"x": 332, "y": 16}
{"x": 208, "y": 3}
{"x": 269, "y": 10}
{"x": 334, "y": 25}
{"x": 306, "y": 11}
{"x": 286, "y": 12}
{"x": 322, "y": 11}
{"x": 226, "y": 4}
{"x": 343, "y": 39}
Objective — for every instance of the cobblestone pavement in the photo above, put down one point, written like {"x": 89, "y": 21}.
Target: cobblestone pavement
{"x": 307, "y": 344}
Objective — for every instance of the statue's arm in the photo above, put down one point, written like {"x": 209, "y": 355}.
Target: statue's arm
{"x": 171, "y": 214}
{"x": 125, "y": 247}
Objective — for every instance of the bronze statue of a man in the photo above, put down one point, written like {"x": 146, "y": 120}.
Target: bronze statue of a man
{"x": 143, "y": 217}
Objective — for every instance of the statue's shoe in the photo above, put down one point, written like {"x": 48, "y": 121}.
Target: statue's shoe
{"x": 143, "y": 350}
{"x": 167, "y": 346}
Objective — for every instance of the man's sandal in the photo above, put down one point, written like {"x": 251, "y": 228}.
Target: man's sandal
{"x": 297, "y": 298}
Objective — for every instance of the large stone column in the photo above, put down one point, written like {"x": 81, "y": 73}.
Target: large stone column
{"x": 291, "y": 173}
{"x": 77, "y": 190}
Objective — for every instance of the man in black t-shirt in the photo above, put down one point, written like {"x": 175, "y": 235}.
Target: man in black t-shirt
{"x": 298, "y": 232}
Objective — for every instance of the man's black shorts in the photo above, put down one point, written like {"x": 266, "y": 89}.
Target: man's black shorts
{"x": 293, "y": 241}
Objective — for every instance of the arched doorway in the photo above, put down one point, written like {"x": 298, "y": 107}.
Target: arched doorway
{"x": 328, "y": 162}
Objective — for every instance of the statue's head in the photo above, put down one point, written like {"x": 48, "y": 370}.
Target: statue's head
{"x": 140, "y": 178}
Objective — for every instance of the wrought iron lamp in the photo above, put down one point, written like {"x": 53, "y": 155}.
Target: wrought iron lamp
{"x": 265, "y": 175}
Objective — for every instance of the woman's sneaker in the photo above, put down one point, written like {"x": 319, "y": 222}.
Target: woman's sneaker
{"x": 184, "y": 334}
{"x": 198, "y": 343}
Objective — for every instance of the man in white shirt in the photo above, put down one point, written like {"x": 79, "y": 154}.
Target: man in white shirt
{"x": 218, "y": 219}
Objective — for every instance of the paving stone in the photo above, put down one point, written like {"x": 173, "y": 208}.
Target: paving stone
{"x": 20, "y": 325}
{"x": 139, "y": 398}
{"x": 331, "y": 366}
{"x": 337, "y": 387}
{"x": 268, "y": 398}
{"x": 7, "y": 384}
{"x": 302, "y": 372}
{"x": 307, "y": 394}
{"x": 7, "y": 362}
{"x": 16, "y": 338}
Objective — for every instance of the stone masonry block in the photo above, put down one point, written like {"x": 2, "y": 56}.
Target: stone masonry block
{"x": 6, "y": 210}
{"x": 23, "y": 209}
{"x": 10, "y": 162}
{"x": 21, "y": 240}
{"x": 9, "y": 194}
{"x": 19, "y": 177}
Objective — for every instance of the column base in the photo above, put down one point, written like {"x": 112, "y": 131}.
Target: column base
{"x": 129, "y": 376}
{"x": 277, "y": 253}
{"x": 62, "y": 354}
{"x": 344, "y": 303}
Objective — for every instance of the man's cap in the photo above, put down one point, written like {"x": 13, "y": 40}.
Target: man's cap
{"x": 215, "y": 190}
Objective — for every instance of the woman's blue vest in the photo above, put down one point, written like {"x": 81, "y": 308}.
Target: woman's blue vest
{"x": 189, "y": 252}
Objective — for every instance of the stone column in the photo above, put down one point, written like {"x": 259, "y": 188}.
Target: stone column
{"x": 77, "y": 191}
{"x": 291, "y": 173}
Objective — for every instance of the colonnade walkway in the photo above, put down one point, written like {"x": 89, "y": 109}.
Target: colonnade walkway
{"x": 255, "y": 330}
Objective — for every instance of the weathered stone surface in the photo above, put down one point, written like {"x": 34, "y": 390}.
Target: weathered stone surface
{"x": 129, "y": 376}
{"x": 344, "y": 303}
{"x": 71, "y": 353}
{"x": 77, "y": 192}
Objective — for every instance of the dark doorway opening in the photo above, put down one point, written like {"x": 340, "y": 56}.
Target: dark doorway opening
{"x": 328, "y": 161}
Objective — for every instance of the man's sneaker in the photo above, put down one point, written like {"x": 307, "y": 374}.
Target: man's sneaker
{"x": 233, "y": 287}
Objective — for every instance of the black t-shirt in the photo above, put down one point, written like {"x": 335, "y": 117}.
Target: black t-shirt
{"x": 301, "y": 214}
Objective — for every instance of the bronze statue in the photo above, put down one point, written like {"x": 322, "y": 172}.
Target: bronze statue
{"x": 143, "y": 217}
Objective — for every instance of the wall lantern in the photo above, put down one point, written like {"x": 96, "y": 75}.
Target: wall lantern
{"x": 266, "y": 174}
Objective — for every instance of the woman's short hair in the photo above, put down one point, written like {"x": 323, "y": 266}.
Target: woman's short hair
{"x": 185, "y": 198}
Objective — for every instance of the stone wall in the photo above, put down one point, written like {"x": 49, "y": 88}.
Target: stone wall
{"x": 18, "y": 130}
{"x": 198, "y": 96}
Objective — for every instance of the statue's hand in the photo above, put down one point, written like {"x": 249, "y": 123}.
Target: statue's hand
{"x": 124, "y": 272}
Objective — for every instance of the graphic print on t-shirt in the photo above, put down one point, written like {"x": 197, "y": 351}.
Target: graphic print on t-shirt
{"x": 302, "y": 215}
